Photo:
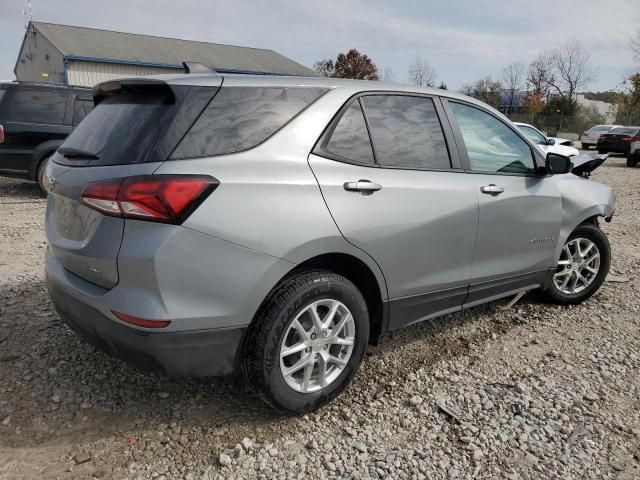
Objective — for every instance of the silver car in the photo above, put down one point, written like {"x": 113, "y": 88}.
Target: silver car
{"x": 590, "y": 137}
{"x": 205, "y": 225}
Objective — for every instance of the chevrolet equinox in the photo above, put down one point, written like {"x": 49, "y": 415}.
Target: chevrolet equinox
{"x": 203, "y": 225}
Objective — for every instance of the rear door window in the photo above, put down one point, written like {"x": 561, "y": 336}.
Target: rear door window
{"x": 239, "y": 118}
{"x": 533, "y": 135}
{"x": 39, "y": 106}
{"x": 406, "y": 132}
{"x": 350, "y": 140}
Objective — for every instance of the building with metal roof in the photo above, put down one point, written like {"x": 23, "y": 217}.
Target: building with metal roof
{"x": 86, "y": 56}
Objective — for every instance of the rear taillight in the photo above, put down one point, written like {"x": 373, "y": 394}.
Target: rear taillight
{"x": 626, "y": 138}
{"x": 635, "y": 138}
{"x": 601, "y": 138}
{"x": 1, "y": 134}
{"x": 156, "y": 198}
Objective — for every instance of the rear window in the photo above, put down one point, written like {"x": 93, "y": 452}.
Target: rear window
{"x": 623, "y": 131}
{"x": 39, "y": 106}
{"x": 239, "y": 118}
{"x": 350, "y": 139}
{"x": 122, "y": 128}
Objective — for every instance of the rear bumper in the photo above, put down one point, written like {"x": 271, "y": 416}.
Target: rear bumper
{"x": 198, "y": 353}
{"x": 615, "y": 148}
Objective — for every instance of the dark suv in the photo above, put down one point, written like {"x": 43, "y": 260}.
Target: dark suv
{"x": 35, "y": 119}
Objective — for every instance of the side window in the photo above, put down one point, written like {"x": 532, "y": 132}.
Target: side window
{"x": 239, "y": 118}
{"x": 350, "y": 139}
{"x": 533, "y": 135}
{"x": 81, "y": 109}
{"x": 406, "y": 131}
{"x": 491, "y": 145}
{"x": 39, "y": 106}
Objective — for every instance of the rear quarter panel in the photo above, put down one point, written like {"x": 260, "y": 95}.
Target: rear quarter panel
{"x": 268, "y": 199}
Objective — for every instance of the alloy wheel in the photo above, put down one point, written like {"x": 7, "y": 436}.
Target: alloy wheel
{"x": 578, "y": 266}
{"x": 317, "y": 345}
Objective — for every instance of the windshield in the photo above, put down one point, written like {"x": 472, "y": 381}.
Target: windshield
{"x": 122, "y": 128}
{"x": 533, "y": 135}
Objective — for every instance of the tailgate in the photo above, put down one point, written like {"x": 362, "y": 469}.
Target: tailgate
{"x": 131, "y": 130}
{"x": 84, "y": 241}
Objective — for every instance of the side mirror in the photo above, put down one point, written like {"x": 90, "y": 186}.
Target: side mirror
{"x": 557, "y": 164}
{"x": 551, "y": 141}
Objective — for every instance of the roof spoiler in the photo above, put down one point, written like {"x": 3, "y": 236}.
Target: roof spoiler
{"x": 195, "y": 67}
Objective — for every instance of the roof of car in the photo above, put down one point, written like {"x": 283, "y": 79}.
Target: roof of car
{"x": 295, "y": 81}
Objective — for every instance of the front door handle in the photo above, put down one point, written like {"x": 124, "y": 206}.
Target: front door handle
{"x": 492, "y": 189}
{"x": 365, "y": 187}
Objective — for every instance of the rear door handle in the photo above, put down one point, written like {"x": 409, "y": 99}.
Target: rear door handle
{"x": 365, "y": 187}
{"x": 492, "y": 189}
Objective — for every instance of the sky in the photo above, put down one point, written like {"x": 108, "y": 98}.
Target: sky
{"x": 461, "y": 40}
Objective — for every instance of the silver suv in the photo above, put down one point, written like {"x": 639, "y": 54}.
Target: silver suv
{"x": 205, "y": 225}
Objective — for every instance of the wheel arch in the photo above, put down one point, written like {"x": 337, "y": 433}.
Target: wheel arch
{"x": 356, "y": 270}
{"x": 590, "y": 216}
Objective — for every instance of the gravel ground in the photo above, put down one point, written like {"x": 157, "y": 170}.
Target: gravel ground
{"x": 535, "y": 391}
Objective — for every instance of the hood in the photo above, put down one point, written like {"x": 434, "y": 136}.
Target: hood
{"x": 585, "y": 163}
{"x": 560, "y": 150}
{"x": 562, "y": 141}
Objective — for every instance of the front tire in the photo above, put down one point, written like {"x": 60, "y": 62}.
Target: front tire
{"x": 582, "y": 267}
{"x": 307, "y": 341}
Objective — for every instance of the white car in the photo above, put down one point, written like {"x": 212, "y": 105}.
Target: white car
{"x": 590, "y": 137}
{"x": 560, "y": 146}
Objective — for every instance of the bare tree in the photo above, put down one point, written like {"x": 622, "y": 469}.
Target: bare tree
{"x": 513, "y": 76}
{"x": 388, "y": 75}
{"x": 485, "y": 89}
{"x": 573, "y": 69}
{"x": 540, "y": 75}
{"x": 421, "y": 73}
{"x": 326, "y": 68}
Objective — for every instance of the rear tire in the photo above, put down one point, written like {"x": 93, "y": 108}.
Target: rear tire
{"x": 602, "y": 152}
{"x": 586, "y": 147}
{"x": 328, "y": 367}
{"x": 570, "y": 264}
{"x": 632, "y": 161}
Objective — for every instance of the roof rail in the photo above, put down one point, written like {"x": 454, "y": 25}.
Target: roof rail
{"x": 195, "y": 67}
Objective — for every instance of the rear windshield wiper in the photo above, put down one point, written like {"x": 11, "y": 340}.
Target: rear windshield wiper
{"x": 71, "y": 152}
